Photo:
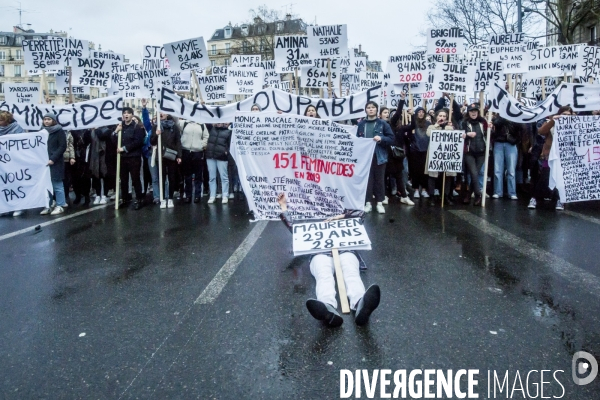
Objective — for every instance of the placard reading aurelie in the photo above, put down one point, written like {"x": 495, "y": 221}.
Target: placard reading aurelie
{"x": 512, "y": 50}
{"x": 446, "y": 151}
{"x": 327, "y": 41}
{"x": 24, "y": 172}
{"x": 320, "y": 237}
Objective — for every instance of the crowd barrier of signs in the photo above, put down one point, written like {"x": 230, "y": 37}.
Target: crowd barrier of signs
{"x": 511, "y": 74}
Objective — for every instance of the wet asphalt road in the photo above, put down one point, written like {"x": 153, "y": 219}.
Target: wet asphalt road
{"x": 505, "y": 288}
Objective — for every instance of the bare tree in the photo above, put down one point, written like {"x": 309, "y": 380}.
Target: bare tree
{"x": 565, "y": 16}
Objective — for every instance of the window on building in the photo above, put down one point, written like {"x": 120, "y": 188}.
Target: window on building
{"x": 228, "y": 32}
{"x": 279, "y": 26}
{"x": 19, "y": 40}
{"x": 260, "y": 29}
{"x": 52, "y": 87}
{"x": 213, "y": 63}
{"x": 213, "y": 49}
{"x": 593, "y": 34}
{"x": 17, "y": 70}
{"x": 245, "y": 47}
{"x": 2, "y": 85}
{"x": 227, "y": 61}
{"x": 3, "y": 40}
{"x": 1, "y": 70}
{"x": 19, "y": 55}
{"x": 2, "y": 55}
{"x": 227, "y": 48}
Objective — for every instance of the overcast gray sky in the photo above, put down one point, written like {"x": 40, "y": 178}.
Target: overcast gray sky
{"x": 382, "y": 27}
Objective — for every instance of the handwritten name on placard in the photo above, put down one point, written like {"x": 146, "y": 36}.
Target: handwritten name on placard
{"x": 320, "y": 237}
{"x": 327, "y": 41}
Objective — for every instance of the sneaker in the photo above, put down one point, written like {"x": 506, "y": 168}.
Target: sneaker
{"x": 495, "y": 196}
{"x": 385, "y": 201}
{"x": 455, "y": 193}
{"x": 103, "y": 200}
{"x": 324, "y": 312}
{"x": 219, "y": 196}
{"x": 406, "y": 200}
{"x": 57, "y": 210}
{"x": 424, "y": 194}
{"x": 394, "y": 192}
{"x": 163, "y": 204}
{"x": 559, "y": 205}
{"x": 170, "y": 203}
{"x": 367, "y": 304}
{"x": 17, "y": 213}
{"x": 514, "y": 198}
{"x": 380, "y": 208}
{"x": 436, "y": 192}
{"x": 96, "y": 201}
{"x": 211, "y": 200}
{"x": 225, "y": 200}
{"x": 416, "y": 195}
{"x": 231, "y": 196}
{"x": 46, "y": 211}
{"x": 368, "y": 207}
{"x": 532, "y": 203}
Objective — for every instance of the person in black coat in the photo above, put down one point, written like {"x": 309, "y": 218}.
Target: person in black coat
{"x": 81, "y": 170}
{"x": 132, "y": 141}
{"x": 217, "y": 151}
{"x": 171, "y": 154}
{"x": 57, "y": 145}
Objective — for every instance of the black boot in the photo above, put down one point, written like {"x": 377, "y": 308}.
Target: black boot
{"x": 324, "y": 312}
{"x": 367, "y": 304}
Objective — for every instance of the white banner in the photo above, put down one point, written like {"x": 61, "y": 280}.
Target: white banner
{"x": 321, "y": 166}
{"x": 24, "y": 173}
{"x": 327, "y": 41}
{"x": 20, "y": 93}
{"x": 186, "y": 55}
{"x": 291, "y": 52}
{"x": 446, "y": 151}
{"x": 270, "y": 99}
{"x": 85, "y": 115}
{"x": 575, "y": 158}
{"x": 454, "y": 78}
{"x": 446, "y": 41}
{"x": 319, "y": 237}
{"x": 581, "y": 97}
{"x": 245, "y": 80}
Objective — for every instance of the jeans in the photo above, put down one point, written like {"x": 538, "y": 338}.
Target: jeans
{"x": 505, "y": 157}
{"x": 213, "y": 165}
{"x": 474, "y": 163}
{"x": 154, "y": 175}
{"x": 59, "y": 193}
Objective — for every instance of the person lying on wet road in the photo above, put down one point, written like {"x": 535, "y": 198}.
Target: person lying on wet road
{"x": 324, "y": 307}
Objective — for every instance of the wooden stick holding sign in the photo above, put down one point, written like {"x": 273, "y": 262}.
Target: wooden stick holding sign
{"x": 118, "y": 184}
{"x": 339, "y": 276}
{"x": 481, "y": 100}
{"x": 410, "y": 102}
{"x": 449, "y": 123}
{"x": 71, "y": 85}
{"x": 543, "y": 88}
{"x": 296, "y": 81}
{"x": 329, "y": 90}
{"x": 487, "y": 159}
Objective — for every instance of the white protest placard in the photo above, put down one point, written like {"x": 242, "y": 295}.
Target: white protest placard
{"x": 445, "y": 41}
{"x": 272, "y": 76}
{"x": 511, "y": 49}
{"x": 113, "y": 59}
{"x": 62, "y": 85}
{"x": 588, "y": 63}
{"x": 187, "y": 55}
{"x": 91, "y": 72}
{"x": 446, "y": 151}
{"x": 219, "y": 70}
{"x": 327, "y": 41}
{"x": 181, "y": 81}
{"x": 532, "y": 87}
{"x": 83, "y": 115}
{"x": 21, "y": 93}
{"x": 24, "y": 173}
{"x": 44, "y": 54}
{"x": 487, "y": 73}
{"x": 246, "y": 60}
{"x": 357, "y": 65}
{"x": 244, "y": 80}
{"x": 350, "y": 83}
{"x": 75, "y": 48}
{"x": 291, "y": 52}
{"x": 125, "y": 80}
{"x": 454, "y": 78}
{"x": 321, "y": 166}
{"x": 568, "y": 58}
{"x": 319, "y": 237}
{"x": 318, "y": 75}
{"x": 154, "y": 57}
{"x": 575, "y": 158}
{"x": 370, "y": 79}
{"x": 284, "y": 86}
{"x": 545, "y": 61}
{"x": 213, "y": 88}
{"x": 408, "y": 68}
{"x": 475, "y": 54}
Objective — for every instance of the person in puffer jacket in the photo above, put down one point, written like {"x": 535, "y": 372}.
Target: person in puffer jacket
{"x": 217, "y": 151}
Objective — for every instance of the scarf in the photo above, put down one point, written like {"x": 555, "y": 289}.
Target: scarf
{"x": 167, "y": 124}
{"x": 54, "y": 128}
{"x": 11, "y": 129}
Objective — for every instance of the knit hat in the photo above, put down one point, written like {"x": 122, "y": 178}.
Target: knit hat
{"x": 419, "y": 109}
{"x": 52, "y": 116}
{"x": 257, "y": 106}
